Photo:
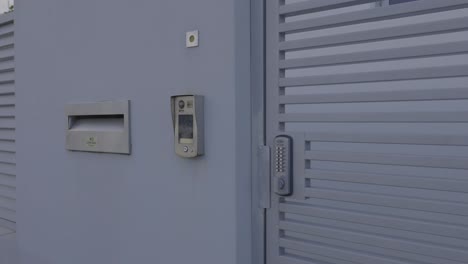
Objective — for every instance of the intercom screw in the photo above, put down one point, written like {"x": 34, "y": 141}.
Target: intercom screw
{"x": 191, "y": 39}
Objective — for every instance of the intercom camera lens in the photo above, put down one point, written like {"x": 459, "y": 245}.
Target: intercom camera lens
{"x": 181, "y": 104}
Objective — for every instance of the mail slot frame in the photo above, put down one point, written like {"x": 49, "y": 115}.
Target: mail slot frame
{"x": 116, "y": 140}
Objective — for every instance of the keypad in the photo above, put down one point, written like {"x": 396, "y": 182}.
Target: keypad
{"x": 281, "y": 159}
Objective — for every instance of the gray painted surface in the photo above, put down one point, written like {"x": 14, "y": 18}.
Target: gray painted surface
{"x": 260, "y": 187}
{"x": 375, "y": 98}
{"x": 8, "y": 247}
{"x": 7, "y": 123}
{"x": 151, "y": 206}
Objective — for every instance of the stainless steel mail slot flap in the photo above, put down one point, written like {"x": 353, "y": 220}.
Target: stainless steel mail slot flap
{"x": 98, "y": 127}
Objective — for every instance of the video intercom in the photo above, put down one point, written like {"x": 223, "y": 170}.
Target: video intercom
{"x": 188, "y": 122}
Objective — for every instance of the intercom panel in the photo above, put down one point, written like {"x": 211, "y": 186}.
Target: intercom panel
{"x": 188, "y": 120}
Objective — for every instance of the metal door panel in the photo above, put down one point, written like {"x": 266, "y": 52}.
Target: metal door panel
{"x": 379, "y": 128}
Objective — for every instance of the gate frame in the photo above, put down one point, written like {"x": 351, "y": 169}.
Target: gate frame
{"x": 258, "y": 126}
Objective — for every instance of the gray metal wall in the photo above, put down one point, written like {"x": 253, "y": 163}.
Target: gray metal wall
{"x": 152, "y": 206}
{"x": 7, "y": 123}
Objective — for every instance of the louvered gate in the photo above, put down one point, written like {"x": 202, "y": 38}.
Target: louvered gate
{"x": 375, "y": 97}
{"x": 7, "y": 123}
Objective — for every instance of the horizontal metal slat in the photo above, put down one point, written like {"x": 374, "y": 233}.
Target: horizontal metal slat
{"x": 6, "y": 40}
{"x": 6, "y": 110}
{"x": 338, "y": 252}
{"x": 392, "y": 255}
{"x": 7, "y": 147}
{"x": 8, "y": 224}
{"x": 7, "y": 155}
{"x": 376, "y": 220}
{"x": 390, "y": 159}
{"x": 376, "y": 76}
{"x": 377, "y": 117}
{"x": 7, "y": 203}
{"x": 7, "y": 168}
{"x": 7, "y": 122}
{"x": 317, "y": 6}
{"x": 7, "y": 134}
{"x": 7, "y": 52}
{"x": 390, "y": 180}
{"x": 417, "y": 247}
{"x": 7, "y": 214}
{"x": 390, "y": 138}
{"x": 7, "y": 18}
{"x": 416, "y": 193}
{"x": 440, "y": 241}
{"x": 290, "y": 259}
{"x": 388, "y": 201}
{"x": 292, "y": 256}
{"x": 7, "y": 65}
{"x": 377, "y": 96}
{"x": 377, "y": 34}
{"x": 7, "y": 180}
{"x": 7, "y": 100}
{"x": 7, "y": 28}
{"x": 7, "y": 77}
{"x": 377, "y": 55}
{"x": 8, "y": 192}
{"x": 7, "y": 88}
{"x": 377, "y": 14}
{"x": 317, "y": 248}
{"x": 300, "y": 259}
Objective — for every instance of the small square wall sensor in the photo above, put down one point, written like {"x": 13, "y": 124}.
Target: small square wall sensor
{"x": 191, "y": 39}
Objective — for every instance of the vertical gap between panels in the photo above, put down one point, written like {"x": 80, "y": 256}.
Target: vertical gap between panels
{"x": 264, "y": 67}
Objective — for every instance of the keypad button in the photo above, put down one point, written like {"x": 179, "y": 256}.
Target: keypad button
{"x": 281, "y": 184}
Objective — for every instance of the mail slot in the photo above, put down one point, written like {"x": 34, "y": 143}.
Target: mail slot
{"x": 98, "y": 127}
